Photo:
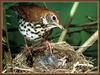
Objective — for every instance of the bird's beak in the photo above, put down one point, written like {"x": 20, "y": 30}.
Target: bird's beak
{"x": 60, "y": 26}
{"x": 54, "y": 26}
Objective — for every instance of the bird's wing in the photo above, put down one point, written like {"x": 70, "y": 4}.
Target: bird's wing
{"x": 30, "y": 13}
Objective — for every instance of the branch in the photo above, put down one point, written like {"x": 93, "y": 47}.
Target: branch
{"x": 72, "y": 13}
{"x": 23, "y": 69}
{"x": 89, "y": 42}
{"x": 80, "y": 28}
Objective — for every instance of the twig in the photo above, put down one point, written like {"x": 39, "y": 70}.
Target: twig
{"x": 88, "y": 43}
{"x": 81, "y": 29}
{"x": 58, "y": 70}
{"x": 74, "y": 67}
{"x": 45, "y": 5}
{"x": 23, "y": 69}
{"x": 90, "y": 23}
{"x": 74, "y": 8}
{"x": 72, "y": 13}
{"x": 61, "y": 38}
{"x": 4, "y": 71}
{"x": 63, "y": 60}
{"x": 86, "y": 26}
{"x": 91, "y": 71}
{"x": 90, "y": 18}
{"x": 89, "y": 65}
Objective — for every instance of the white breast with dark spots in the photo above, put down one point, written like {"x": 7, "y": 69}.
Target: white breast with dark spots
{"x": 30, "y": 31}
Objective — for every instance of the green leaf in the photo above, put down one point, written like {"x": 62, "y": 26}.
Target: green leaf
{"x": 84, "y": 36}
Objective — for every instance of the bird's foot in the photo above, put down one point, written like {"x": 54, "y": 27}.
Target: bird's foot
{"x": 48, "y": 46}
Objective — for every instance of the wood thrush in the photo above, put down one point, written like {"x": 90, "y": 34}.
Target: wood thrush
{"x": 35, "y": 23}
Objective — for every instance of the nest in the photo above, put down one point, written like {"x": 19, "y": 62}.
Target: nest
{"x": 64, "y": 59}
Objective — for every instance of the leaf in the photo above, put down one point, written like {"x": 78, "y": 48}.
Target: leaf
{"x": 74, "y": 39}
{"x": 84, "y": 36}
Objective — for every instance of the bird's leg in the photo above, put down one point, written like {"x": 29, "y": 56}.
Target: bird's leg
{"x": 29, "y": 50}
{"x": 48, "y": 46}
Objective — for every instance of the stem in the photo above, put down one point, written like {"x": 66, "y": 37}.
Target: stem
{"x": 72, "y": 13}
{"x": 74, "y": 8}
{"x": 45, "y": 5}
{"x": 62, "y": 36}
{"x": 88, "y": 43}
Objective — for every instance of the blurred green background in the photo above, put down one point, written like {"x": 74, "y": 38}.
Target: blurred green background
{"x": 76, "y": 36}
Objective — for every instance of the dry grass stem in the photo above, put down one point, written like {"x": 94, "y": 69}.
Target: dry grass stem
{"x": 89, "y": 42}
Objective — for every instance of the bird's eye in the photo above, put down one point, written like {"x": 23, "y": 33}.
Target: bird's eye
{"x": 54, "y": 18}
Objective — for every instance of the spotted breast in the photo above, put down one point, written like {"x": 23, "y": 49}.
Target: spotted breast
{"x": 32, "y": 31}
{"x": 36, "y": 22}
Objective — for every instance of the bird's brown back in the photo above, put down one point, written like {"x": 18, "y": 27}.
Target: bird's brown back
{"x": 31, "y": 13}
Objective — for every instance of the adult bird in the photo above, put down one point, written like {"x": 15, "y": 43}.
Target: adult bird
{"x": 36, "y": 23}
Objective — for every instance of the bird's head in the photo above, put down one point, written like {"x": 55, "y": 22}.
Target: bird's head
{"x": 51, "y": 21}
